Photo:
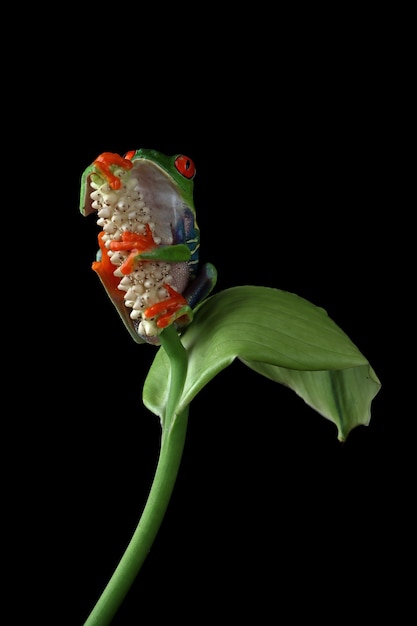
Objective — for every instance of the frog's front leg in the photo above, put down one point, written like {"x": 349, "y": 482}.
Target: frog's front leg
{"x": 135, "y": 244}
{"x": 142, "y": 247}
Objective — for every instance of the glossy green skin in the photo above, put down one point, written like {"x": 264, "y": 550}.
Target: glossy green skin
{"x": 173, "y": 193}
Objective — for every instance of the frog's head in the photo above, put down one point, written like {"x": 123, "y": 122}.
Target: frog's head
{"x": 149, "y": 239}
{"x": 167, "y": 178}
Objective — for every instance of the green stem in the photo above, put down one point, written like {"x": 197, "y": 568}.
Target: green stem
{"x": 172, "y": 444}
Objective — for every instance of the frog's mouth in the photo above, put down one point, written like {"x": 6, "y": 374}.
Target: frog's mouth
{"x": 138, "y": 207}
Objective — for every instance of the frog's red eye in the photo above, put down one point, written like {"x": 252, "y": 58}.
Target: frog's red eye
{"x": 129, "y": 155}
{"x": 185, "y": 166}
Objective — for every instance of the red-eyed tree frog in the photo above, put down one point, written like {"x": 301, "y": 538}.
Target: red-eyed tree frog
{"x": 149, "y": 240}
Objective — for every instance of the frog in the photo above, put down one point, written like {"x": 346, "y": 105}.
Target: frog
{"x": 149, "y": 239}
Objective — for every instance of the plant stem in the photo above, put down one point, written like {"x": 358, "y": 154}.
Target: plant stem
{"x": 173, "y": 436}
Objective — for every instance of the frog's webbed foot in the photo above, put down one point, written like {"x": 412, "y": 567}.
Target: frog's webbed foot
{"x": 105, "y": 161}
{"x": 170, "y": 310}
{"x": 135, "y": 244}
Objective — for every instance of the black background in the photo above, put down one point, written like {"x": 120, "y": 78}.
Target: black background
{"x": 298, "y": 187}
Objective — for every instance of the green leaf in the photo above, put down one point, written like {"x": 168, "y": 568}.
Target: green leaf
{"x": 281, "y": 336}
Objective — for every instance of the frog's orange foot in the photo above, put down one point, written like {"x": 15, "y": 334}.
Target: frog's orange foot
{"x": 135, "y": 244}
{"x": 167, "y": 311}
{"x": 105, "y": 161}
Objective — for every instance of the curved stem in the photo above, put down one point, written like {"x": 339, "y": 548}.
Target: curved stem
{"x": 172, "y": 345}
{"x": 172, "y": 444}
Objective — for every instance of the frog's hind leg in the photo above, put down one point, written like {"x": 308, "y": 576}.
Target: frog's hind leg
{"x": 201, "y": 286}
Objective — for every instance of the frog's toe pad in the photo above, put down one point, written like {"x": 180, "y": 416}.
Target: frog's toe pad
{"x": 182, "y": 316}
